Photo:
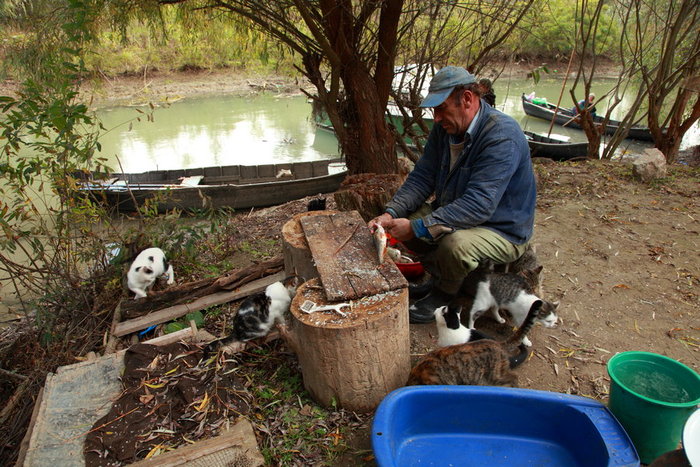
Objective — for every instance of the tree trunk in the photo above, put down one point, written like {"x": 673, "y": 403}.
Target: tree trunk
{"x": 592, "y": 134}
{"x": 367, "y": 193}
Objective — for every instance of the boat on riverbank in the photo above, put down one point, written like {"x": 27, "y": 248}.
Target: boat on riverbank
{"x": 554, "y": 148}
{"x": 233, "y": 186}
{"x": 565, "y": 117}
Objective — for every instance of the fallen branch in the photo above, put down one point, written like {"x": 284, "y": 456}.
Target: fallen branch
{"x": 189, "y": 292}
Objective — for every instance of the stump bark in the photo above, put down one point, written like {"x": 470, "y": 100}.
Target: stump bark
{"x": 295, "y": 249}
{"x": 367, "y": 193}
{"x": 354, "y": 360}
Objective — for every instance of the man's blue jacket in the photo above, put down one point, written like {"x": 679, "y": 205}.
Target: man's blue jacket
{"x": 491, "y": 185}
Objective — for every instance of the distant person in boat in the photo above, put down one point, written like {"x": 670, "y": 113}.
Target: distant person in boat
{"x": 583, "y": 103}
{"x": 487, "y": 93}
{"x": 477, "y": 164}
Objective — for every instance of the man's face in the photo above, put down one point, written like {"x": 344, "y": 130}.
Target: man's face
{"x": 456, "y": 113}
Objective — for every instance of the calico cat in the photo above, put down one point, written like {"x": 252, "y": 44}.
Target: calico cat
{"x": 513, "y": 293}
{"x": 484, "y": 362}
{"x": 450, "y": 330}
{"x": 258, "y": 314}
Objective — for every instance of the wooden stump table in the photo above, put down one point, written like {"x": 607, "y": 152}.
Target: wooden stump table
{"x": 357, "y": 358}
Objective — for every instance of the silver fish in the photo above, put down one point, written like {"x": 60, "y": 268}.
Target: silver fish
{"x": 380, "y": 242}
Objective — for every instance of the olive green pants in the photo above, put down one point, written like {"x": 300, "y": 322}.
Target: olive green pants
{"x": 454, "y": 255}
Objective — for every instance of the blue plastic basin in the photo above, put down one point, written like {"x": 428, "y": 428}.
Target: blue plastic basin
{"x": 484, "y": 425}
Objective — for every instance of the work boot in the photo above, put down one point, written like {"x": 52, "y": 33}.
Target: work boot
{"x": 420, "y": 289}
{"x": 423, "y": 310}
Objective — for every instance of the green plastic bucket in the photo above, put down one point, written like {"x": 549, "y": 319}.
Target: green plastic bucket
{"x": 652, "y": 396}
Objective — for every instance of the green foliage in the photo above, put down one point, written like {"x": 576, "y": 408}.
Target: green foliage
{"x": 48, "y": 138}
{"x": 549, "y": 30}
{"x": 207, "y": 42}
{"x": 184, "y": 322}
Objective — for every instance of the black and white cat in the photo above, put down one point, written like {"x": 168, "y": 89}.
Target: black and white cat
{"x": 149, "y": 265}
{"x": 258, "y": 314}
{"x": 450, "y": 330}
{"x": 513, "y": 293}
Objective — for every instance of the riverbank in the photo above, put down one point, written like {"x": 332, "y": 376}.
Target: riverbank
{"x": 168, "y": 86}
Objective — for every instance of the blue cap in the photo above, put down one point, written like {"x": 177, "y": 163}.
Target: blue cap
{"x": 444, "y": 82}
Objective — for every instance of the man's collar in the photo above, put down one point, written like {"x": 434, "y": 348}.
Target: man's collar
{"x": 454, "y": 139}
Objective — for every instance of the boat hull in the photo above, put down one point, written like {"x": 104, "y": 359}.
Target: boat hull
{"x": 566, "y": 118}
{"x": 236, "y": 187}
{"x": 551, "y": 148}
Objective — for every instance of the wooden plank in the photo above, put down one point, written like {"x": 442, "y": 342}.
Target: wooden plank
{"x": 174, "y": 312}
{"x": 237, "y": 446}
{"x": 186, "y": 334}
{"x": 346, "y": 258}
{"x": 24, "y": 445}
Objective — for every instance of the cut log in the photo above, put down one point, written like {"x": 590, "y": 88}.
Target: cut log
{"x": 295, "y": 249}
{"x": 353, "y": 360}
{"x": 367, "y": 193}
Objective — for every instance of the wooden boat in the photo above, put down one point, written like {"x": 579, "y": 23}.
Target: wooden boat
{"x": 234, "y": 186}
{"x": 554, "y": 148}
{"x": 566, "y": 117}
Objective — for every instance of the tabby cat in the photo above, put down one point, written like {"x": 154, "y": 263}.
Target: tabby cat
{"x": 511, "y": 292}
{"x": 484, "y": 362}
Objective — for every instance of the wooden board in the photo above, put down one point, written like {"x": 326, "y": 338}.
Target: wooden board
{"x": 346, "y": 258}
{"x": 235, "y": 447}
{"x": 174, "y": 312}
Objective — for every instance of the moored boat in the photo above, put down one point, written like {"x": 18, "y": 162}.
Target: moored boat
{"x": 234, "y": 186}
{"x": 565, "y": 117}
{"x": 554, "y": 148}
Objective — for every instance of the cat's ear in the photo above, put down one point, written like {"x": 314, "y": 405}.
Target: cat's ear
{"x": 440, "y": 311}
{"x": 538, "y": 269}
{"x": 555, "y": 304}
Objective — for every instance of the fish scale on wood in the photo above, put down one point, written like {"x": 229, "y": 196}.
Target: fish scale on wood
{"x": 346, "y": 258}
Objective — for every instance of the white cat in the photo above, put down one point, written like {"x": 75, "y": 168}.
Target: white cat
{"x": 450, "y": 330}
{"x": 149, "y": 265}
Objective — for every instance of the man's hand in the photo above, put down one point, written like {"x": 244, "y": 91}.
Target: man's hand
{"x": 400, "y": 229}
{"x": 382, "y": 220}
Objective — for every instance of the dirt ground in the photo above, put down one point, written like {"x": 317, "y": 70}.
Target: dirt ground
{"x": 622, "y": 256}
{"x": 623, "y": 259}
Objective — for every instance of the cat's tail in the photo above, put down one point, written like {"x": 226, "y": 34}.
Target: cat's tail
{"x": 519, "y": 358}
{"x": 524, "y": 328}
{"x": 515, "y": 340}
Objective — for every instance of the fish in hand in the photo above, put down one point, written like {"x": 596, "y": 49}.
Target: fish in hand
{"x": 380, "y": 241}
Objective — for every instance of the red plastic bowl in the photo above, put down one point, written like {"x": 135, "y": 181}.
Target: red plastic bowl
{"x": 409, "y": 270}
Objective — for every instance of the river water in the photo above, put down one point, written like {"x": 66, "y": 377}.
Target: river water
{"x": 265, "y": 129}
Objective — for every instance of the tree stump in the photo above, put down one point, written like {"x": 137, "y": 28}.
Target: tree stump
{"x": 295, "y": 249}
{"x": 353, "y": 360}
{"x": 367, "y": 193}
